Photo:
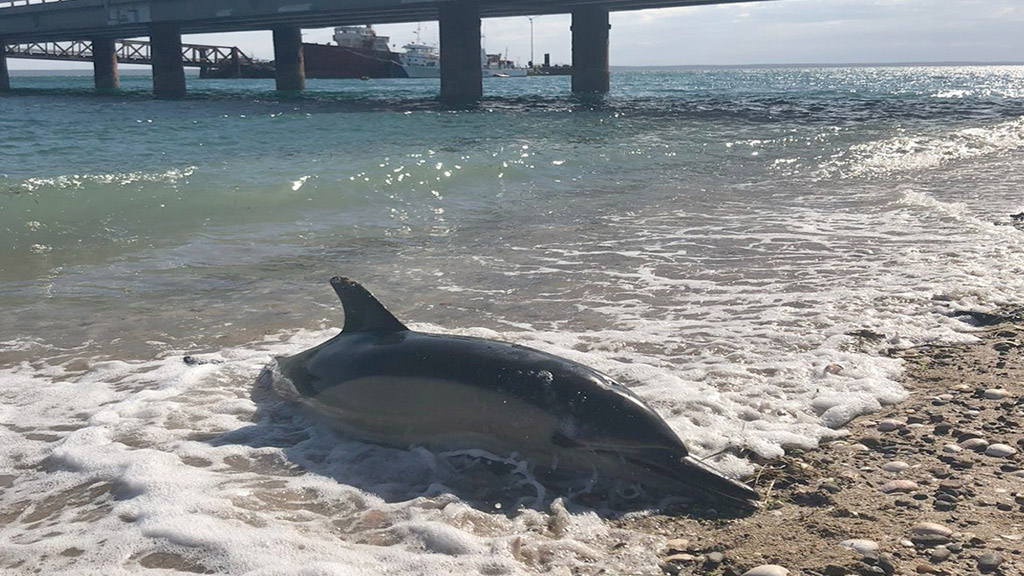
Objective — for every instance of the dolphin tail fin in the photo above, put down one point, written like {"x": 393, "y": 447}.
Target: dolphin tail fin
{"x": 363, "y": 312}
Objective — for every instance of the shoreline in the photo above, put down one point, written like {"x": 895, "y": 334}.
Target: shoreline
{"x": 931, "y": 485}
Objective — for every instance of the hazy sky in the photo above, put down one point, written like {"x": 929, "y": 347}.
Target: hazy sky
{"x": 769, "y": 32}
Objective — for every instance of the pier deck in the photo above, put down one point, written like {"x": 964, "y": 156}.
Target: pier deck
{"x": 164, "y": 21}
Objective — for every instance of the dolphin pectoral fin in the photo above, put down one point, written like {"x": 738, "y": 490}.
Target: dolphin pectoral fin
{"x": 363, "y": 312}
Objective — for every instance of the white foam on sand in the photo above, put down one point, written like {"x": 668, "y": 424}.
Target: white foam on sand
{"x": 118, "y": 468}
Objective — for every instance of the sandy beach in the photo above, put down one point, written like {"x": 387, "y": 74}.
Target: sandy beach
{"x": 933, "y": 485}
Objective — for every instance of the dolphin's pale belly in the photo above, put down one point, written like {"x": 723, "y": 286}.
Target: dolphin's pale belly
{"x": 438, "y": 414}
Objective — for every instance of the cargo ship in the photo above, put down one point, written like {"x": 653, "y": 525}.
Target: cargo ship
{"x": 358, "y": 52}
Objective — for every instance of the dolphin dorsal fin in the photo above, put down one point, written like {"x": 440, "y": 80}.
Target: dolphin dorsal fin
{"x": 363, "y": 312}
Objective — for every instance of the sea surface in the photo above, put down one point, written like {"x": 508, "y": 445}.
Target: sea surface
{"x": 738, "y": 246}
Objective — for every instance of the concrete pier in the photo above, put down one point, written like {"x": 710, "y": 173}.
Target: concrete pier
{"x": 289, "y": 62}
{"x": 461, "y": 73}
{"x": 590, "y": 50}
{"x": 5, "y": 76}
{"x": 168, "y": 68}
{"x": 104, "y": 65}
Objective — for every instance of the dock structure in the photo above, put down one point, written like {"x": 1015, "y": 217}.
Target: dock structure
{"x": 102, "y": 22}
{"x": 106, "y": 53}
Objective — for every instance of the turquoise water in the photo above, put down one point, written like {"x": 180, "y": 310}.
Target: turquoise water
{"x": 711, "y": 237}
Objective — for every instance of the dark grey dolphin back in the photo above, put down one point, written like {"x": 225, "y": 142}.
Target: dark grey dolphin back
{"x": 363, "y": 312}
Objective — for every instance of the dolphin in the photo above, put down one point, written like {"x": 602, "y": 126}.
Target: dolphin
{"x": 380, "y": 382}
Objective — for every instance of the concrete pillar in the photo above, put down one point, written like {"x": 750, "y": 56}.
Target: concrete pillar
{"x": 289, "y": 63}
{"x": 461, "y": 73}
{"x": 104, "y": 64}
{"x": 590, "y": 50}
{"x": 5, "y": 76}
{"x": 168, "y": 68}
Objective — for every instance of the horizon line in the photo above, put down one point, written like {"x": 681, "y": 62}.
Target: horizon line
{"x": 144, "y": 68}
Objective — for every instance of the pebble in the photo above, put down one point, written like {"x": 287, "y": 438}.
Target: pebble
{"x": 885, "y": 563}
{"x": 679, "y": 558}
{"x": 861, "y": 546}
{"x": 930, "y": 528}
{"x": 715, "y": 558}
{"x": 976, "y": 444}
{"x": 929, "y": 533}
{"x": 898, "y": 486}
{"x": 996, "y": 394}
{"x": 895, "y": 466}
{"x": 1000, "y": 450}
{"x": 889, "y": 424}
{"x": 767, "y": 570}
{"x": 989, "y": 561}
{"x": 952, "y": 449}
{"x": 940, "y": 554}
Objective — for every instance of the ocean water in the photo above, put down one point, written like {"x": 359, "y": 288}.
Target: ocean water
{"x": 716, "y": 239}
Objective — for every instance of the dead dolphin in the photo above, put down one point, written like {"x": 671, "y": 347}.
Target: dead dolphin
{"x": 380, "y": 382}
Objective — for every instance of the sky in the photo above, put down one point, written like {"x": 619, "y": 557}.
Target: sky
{"x": 765, "y": 32}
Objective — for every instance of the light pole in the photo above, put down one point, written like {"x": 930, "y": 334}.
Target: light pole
{"x": 532, "y": 63}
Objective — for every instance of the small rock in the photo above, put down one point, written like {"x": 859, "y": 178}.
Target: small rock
{"x": 681, "y": 557}
{"x": 995, "y": 394}
{"x": 944, "y": 506}
{"x": 895, "y": 466}
{"x": 833, "y": 369}
{"x": 767, "y": 570}
{"x": 952, "y": 449}
{"x": 930, "y": 528}
{"x": 889, "y": 424}
{"x": 976, "y": 444}
{"x": 835, "y": 570}
{"x": 930, "y": 534}
{"x": 886, "y": 564}
{"x": 670, "y": 569}
{"x": 940, "y": 554}
{"x": 861, "y": 546}
{"x": 715, "y": 558}
{"x": 989, "y": 561}
{"x": 898, "y": 486}
{"x": 1000, "y": 450}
